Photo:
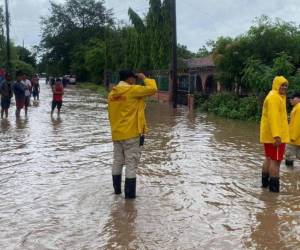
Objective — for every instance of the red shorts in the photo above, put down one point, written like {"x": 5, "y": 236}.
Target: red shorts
{"x": 273, "y": 152}
{"x": 20, "y": 103}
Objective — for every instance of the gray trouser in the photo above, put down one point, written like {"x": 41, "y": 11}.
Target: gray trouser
{"x": 292, "y": 152}
{"x": 126, "y": 153}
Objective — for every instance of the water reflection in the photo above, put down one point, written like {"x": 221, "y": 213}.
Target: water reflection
{"x": 35, "y": 103}
{"x": 5, "y": 125}
{"x": 56, "y": 122}
{"x": 121, "y": 226}
{"x": 21, "y": 122}
{"x": 266, "y": 235}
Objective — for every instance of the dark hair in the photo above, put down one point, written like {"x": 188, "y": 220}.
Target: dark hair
{"x": 125, "y": 74}
{"x": 19, "y": 73}
{"x": 58, "y": 80}
{"x": 296, "y": 94}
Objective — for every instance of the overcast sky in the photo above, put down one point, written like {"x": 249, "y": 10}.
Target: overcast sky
{"x": 197, "y": 21}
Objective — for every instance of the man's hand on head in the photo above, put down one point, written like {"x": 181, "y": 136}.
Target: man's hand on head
{"x": 140, "y": 76}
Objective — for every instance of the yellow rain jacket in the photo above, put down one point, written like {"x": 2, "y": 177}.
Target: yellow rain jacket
{"x": 295, "y": 125}
{"x": 274, "y": 120}
{"x": 126, "y": 109}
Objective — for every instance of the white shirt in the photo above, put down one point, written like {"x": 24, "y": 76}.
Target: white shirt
{"x": 27, "y": 84}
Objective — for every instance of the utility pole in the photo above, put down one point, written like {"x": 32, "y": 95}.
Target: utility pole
{"x": 23, "y": 48}
{"x": 174, "y": 52}
{"x": 8, "y": 64}
{"x": 106, "y": 71}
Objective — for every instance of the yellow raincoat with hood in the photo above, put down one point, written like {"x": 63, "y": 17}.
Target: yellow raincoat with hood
{"x": 274, "y": 120}
{"x": 295, "y": 125}
{"x": 126, "y": 109}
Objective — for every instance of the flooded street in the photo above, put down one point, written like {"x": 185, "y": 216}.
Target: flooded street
{"x": 198, "y": 185}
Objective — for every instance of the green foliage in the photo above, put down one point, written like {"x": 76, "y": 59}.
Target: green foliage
{"x": 25, "y": 67}
{"x": 21, "y": 58}
{"x": 282, "y": 65}
{"x": 202, "y": 52}
{"x": 136, "y": 21}
{"x": 25, "y": 55}
{"x": 68, "y": 29}
{"x": 2, "y": 38}
{"x": 183, "y": 52}
{"x": 256, "y": 76}
{"x": 153, "y": 36}
{"x": 95, "y": 61}
{"x": 269, "y": 48}
{"x": 71, "y": 29}
{"x": 294, "y": 84}
{"x": 231, "y": 106}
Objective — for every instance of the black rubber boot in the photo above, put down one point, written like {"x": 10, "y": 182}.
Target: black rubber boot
{"x": 274, "y": 184}
{"x": 117, "y": 183}
{"x": 130, "y": 186}
{"x": 264, "y": 180}
{"x": 289, "y": 163}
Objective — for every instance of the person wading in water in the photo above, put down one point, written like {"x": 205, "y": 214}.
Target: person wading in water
{"x": 126, "y": 109}
{"x": 274, "y": 132}
{"x": 58, "y": 92}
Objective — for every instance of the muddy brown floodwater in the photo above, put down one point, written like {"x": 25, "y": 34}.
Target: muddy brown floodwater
{"x": 198, "y": 185}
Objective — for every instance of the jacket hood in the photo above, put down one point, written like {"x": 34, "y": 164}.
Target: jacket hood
{"x": 121, "y": 88}
{"x": 278, "y": 81}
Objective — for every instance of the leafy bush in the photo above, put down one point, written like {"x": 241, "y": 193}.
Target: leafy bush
{"x": 231, "y": 106}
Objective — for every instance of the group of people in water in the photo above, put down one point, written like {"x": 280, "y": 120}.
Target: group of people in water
{"x": 128, "y": 126}
{"x": 23, "y": 88}
{"x": 126, "y": 108}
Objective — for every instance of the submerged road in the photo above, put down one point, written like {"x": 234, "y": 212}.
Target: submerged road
{"x": 198, "y": 185}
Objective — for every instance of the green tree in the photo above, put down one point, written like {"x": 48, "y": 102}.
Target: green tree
{"x": 267, "y": 44}
{"x": 2, "y": 39}
{"x": 183, "y": 52}
{"x": 282, "y": 65}
{"x": 25, "y": 55}
{"x": 257, "y": 76}
{"x": 68, "y": 27}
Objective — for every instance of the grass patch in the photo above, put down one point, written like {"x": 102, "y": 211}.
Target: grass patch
{"x": 94, "y": 87}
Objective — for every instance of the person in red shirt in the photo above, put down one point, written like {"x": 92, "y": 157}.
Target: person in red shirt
{"x": 58, "y": 91}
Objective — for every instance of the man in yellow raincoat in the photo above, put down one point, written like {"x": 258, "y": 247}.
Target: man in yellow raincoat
{"x": 274, "y": 132}
{"x": 126, "y": 108}
{"x": 293, "y": 148}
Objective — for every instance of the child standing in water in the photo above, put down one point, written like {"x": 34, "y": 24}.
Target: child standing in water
{"x": 58, "y": 92}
